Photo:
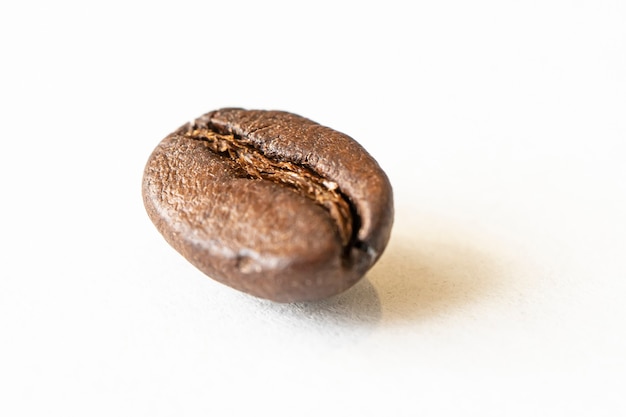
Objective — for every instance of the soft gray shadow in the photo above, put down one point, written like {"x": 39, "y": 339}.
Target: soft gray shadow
{"x": 357, "y": 307}
{"x": 414, "y": 280}
{"x": 421, "y": 278}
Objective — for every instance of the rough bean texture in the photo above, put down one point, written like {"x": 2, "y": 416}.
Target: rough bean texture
{"x": 270, "y": 203}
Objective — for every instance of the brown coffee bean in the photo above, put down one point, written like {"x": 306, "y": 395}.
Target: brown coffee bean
{"x": 270, "y": 203}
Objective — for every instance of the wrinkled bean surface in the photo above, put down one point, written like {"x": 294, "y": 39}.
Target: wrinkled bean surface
{"x": 270, "y": 203}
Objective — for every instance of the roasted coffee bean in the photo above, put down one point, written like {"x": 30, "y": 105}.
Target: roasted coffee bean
{"x": 270, "y": 203}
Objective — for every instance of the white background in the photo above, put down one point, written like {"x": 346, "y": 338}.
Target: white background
{"x": 501, "y": 125}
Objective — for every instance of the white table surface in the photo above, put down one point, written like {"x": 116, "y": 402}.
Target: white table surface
{"x": 502, "y": 128}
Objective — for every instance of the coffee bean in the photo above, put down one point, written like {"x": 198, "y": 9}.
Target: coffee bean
{"x": 270, "y": 203}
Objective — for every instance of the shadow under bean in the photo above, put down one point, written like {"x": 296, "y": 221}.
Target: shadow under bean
{"x": 414, "y": 280}
{"x": 420, "y": 279}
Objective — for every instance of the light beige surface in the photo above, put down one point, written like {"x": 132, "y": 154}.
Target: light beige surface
{"x": 501, "y": 126}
